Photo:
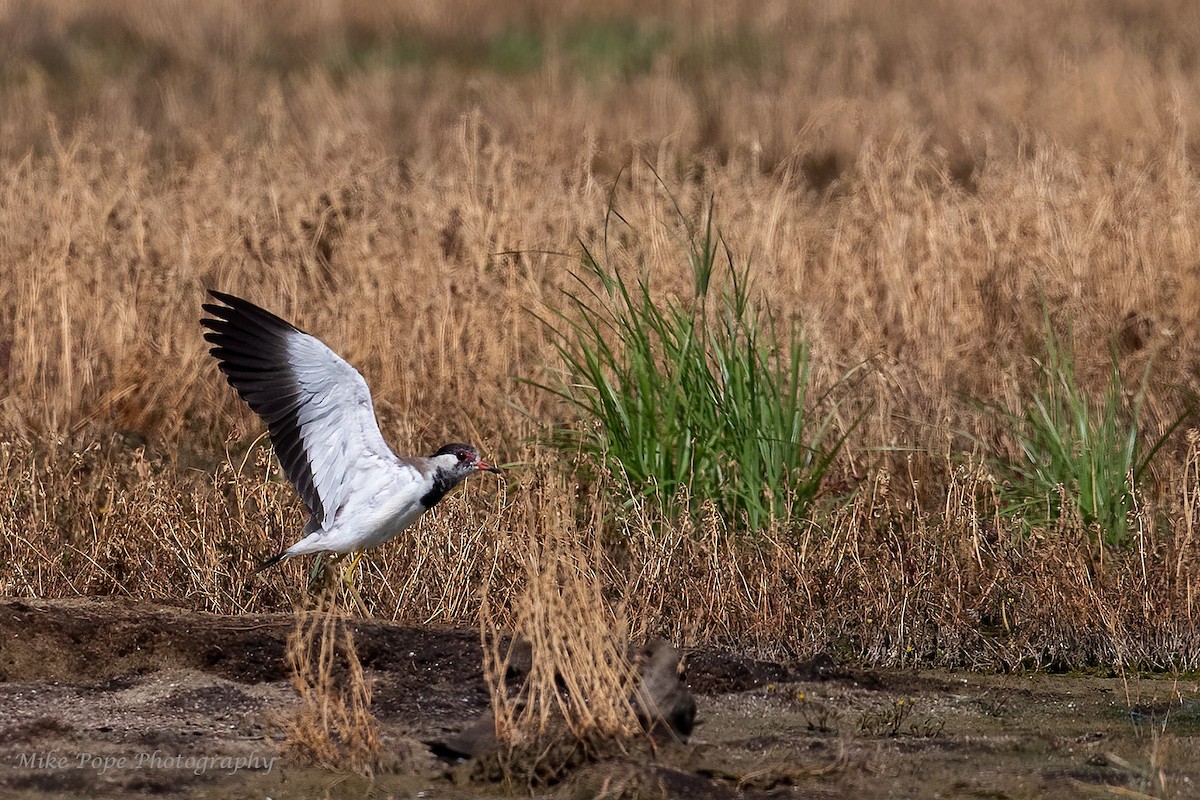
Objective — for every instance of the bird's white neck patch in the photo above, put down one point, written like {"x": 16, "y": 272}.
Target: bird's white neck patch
{"x": 447, "y": 462}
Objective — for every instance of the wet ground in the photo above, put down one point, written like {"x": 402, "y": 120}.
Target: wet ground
{"x": 102, "y": 698}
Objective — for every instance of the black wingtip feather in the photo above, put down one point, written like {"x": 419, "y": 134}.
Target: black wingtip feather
{"x": 250, "y": 346}
{"x": 236, "y": 309}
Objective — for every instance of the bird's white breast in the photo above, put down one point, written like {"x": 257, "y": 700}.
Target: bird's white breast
{"x": 383, "y": 504}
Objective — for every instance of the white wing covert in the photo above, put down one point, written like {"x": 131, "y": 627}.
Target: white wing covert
{"x": 317, "y": 407}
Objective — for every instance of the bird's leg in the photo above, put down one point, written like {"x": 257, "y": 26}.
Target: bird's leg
{"x": 351, "y": 588}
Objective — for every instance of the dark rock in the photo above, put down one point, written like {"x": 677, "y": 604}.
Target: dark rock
{"x": 664, "y": 705}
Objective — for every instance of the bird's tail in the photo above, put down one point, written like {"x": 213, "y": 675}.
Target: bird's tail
{"x": 310, "y": 527}
{"x": 270, "y": 562}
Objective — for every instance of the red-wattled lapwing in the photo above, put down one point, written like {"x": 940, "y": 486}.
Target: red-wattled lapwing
{"x": 359, "y": 494}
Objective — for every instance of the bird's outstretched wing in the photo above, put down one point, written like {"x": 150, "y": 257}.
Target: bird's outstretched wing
{"x": 317, "y": 407}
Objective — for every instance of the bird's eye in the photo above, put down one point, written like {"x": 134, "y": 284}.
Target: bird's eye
{"x": 463, "y": 455}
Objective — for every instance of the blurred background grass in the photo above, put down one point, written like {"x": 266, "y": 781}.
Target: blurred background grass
{"x": 918, "y": 187}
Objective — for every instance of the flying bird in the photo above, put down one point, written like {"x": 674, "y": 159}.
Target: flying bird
{"x": 318, "y": 410}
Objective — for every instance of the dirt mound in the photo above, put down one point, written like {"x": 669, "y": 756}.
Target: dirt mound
{"x": 97, "y": 639}
{"x": 712, "y": 671}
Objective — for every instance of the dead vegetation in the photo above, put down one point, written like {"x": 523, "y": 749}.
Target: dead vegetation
{"x": 576, "y": 694}
{"x": 914, "y": 188}
{"x": 333, "y": 726}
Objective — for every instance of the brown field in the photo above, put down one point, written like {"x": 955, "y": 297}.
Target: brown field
{"x": 916, "y": 184}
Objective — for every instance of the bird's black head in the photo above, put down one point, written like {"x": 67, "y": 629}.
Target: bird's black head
{"x": 451, "y": 465}
{"x": 466, "y": 458}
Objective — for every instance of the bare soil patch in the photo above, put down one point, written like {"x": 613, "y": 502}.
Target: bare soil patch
{"x": 87, "y": 680}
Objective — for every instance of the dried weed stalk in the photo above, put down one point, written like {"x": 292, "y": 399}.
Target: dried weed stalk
{"x": 572, "y": 641}
{"x": 333, "y": 726}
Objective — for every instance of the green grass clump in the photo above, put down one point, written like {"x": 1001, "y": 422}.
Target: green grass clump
{"x": 1075, "y": 449}
{"x": 619, "y": 48}
{"x": 692, "y": 403}
{"x": 516, "y": 51}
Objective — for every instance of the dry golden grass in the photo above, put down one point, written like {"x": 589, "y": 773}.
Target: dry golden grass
{"x": 580, "y": 679}
{"x": 333, "y": 726}
{"x": 912, "y": 184}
